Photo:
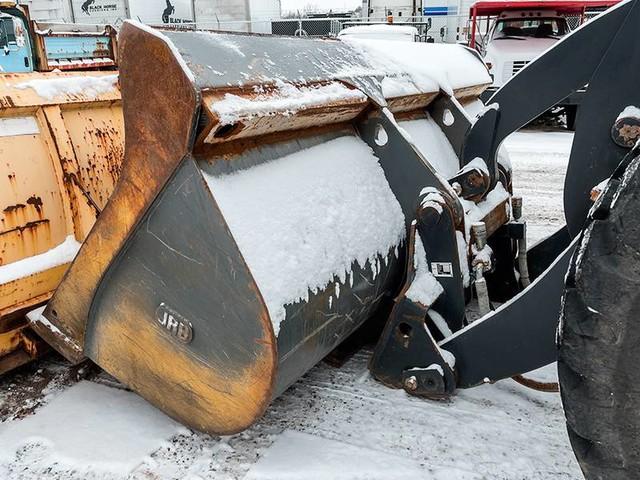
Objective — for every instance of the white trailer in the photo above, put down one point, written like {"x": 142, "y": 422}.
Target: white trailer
{"x": 242, "y": 15}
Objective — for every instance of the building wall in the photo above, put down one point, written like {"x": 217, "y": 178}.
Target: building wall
{"x": 49, "y": 10}
{"x": 448, "y": 28}
{"x": 225, "y": 14}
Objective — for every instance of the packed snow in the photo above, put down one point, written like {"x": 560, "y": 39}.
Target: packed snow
{"x": 433, "y": 144}
{"x": 87, "y": 86}
{"x": 88, "y": 429}
{"x": 540, "y": 155}
{"x": 430, "y": 67}
{"x": 286, "y": 99}
{"x": 316, "y": 458}
{"x": 630, "y": 111}
{"x": 499, "y": 432}
{"x": 424, "y": 288}
{"x": 59, "y": 255}
{"x": 339, "y": 210}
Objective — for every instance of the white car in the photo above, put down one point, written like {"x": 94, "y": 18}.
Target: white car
{"x": 518, "y": 37}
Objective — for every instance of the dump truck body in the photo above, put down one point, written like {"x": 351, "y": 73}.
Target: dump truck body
{"x": 30, "y": 46}
{"x": 61, "y": 145}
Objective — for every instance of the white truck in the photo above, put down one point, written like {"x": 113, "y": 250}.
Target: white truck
{"x": 511, "y": 33}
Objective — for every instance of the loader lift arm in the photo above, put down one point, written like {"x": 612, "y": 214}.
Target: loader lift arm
{"x": 520, "y": 335}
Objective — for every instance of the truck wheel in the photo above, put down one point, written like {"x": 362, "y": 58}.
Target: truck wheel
{"x": 599, "y": 340}
{"x": 571, "y": 112}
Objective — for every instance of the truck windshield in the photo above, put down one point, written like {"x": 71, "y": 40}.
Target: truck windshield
{"x": 530, "y": 28}
{"x": 7, "y": 33}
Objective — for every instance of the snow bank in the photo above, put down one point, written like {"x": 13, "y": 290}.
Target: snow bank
{"x": 88, "y": 427}
{"x": 87, "y": 86}
{"x": 63, "y": 253}
{"x": 430, "y": 67}
{"x": 296, "y": 455}
{"x": 319, "y": 210}
{"x": 433, "y": 144}
{"x": 424, "y": 289}
{"x": 287, "y": 99}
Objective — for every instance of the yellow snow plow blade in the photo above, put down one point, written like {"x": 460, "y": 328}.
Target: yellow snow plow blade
{"x": 261, "y": 214}
{"x": 61, "y": 146}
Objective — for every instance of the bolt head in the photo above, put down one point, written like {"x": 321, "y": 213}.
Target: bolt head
{"x": 411, "y": 383}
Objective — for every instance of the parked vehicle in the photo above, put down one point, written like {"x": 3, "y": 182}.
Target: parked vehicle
{"x": 28, "y": 46}
{"x": 382, "y": 31}
{"x": 60, "y": 149}
{"x": 518, "y": 31}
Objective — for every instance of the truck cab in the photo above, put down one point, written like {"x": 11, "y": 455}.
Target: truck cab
{"x": 511, "y": 33}
{"x": 517, "y": 37}
{"x": 28, "y": 46}
{"x": 16, "y": 52}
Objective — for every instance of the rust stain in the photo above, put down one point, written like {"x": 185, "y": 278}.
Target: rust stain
{"x": 7, "y": 102}
{"x": 12, "y": 208}
{"x": 35, "y": 202}
{"x": 29, "y": 227}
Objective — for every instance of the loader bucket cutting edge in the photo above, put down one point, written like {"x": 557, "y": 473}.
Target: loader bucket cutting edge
{"x": 174, "y": 291}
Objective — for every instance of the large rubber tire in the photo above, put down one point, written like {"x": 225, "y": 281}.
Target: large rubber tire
{"x": 599, "y": 340}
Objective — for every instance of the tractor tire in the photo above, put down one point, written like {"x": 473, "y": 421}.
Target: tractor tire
{"x": 599, "y": 338}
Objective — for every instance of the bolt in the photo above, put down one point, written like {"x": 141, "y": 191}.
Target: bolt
{"x": 479, "y": 231}
{"x": 411, "y": 383}
{"x": 516, "y": 205}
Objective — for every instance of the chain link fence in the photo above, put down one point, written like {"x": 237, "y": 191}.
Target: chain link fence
{"x": 437, "y": 29}
{"x": 575, "y": 21}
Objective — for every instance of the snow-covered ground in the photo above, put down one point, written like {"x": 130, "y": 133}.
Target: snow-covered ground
{"x": 539, "y": 162}
{"x": 335, "y": 423}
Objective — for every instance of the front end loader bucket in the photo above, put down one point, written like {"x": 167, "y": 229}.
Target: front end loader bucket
{"x": 261, "y": 216}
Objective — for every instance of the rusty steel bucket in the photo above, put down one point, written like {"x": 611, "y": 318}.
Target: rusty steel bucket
{"x": 220, "y": 270}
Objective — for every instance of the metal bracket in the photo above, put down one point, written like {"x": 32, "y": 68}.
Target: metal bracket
{"x": 407, "y": 355}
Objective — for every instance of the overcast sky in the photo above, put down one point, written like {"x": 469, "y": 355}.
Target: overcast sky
{"x": 292, "y": 5}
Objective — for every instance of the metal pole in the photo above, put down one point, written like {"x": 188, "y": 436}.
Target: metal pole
{"x": 193, "y": 14}
{"x": 247, "y": 6}
{"x": 73, "y": 14}
{"x": 127, "y": 10}
{"x": 473, "y": 28}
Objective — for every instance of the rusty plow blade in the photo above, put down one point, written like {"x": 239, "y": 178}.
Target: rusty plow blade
{"x": 260, "y": 218}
